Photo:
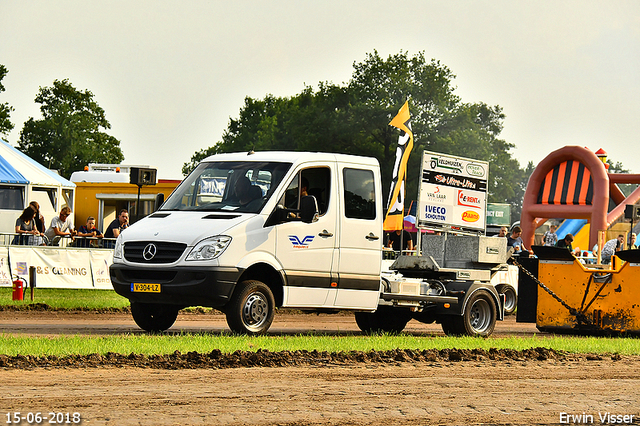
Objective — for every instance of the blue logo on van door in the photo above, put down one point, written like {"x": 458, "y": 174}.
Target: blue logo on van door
{"x": 298, "y": 243}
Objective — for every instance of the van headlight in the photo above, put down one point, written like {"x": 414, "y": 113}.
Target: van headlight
{"x": 209, "y": 248}
{"x": 117, "y": 250}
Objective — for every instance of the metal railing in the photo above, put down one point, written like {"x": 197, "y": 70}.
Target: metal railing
{"x": 390, "y": 254}
{"x": 13, "y": 239}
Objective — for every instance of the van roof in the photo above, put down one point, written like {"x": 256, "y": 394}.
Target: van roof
{"x": 292, "y": 157}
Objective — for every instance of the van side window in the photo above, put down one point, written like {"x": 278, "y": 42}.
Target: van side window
{"x": 359, "y": 194}
{"x": 291, "y": 194}
{"x": 317, "y": 181}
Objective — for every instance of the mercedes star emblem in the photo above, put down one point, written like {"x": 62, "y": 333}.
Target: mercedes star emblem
{"x": 149, "y": 251}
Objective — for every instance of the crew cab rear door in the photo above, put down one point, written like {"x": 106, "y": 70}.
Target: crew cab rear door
{"x": 359, "y": 250}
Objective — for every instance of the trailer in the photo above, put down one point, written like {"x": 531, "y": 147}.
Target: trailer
{"x": 304, "y": 231}
{"x": 561, "y": 294}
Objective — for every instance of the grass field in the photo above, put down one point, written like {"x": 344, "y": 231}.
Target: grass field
{"x": 164, "y": 344}
{"x": 70, "y": 299}
{"x": 203, "y": 343}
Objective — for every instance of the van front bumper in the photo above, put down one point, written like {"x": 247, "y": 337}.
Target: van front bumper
{"x": 183, "y": 286}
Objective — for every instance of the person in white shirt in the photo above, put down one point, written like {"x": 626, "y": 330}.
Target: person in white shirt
{"x": 61, "y": 226}
{"x": 610, "y": 248}
{"x": 550, "y": 237}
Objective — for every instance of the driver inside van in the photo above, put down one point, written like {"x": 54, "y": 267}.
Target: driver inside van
{"x": 245, "y": 192}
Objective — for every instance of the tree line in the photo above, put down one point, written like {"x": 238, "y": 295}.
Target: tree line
{"x": 351, "y": 118}
{"x": 70, "y": 133}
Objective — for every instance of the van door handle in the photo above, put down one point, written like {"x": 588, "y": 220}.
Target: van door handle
{"x": 372, "y": 237}
{"x": 325, "y": 233}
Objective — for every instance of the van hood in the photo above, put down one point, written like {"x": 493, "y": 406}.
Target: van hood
{"x": 184, "y": 227}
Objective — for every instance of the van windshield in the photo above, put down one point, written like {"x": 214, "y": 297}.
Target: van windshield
{"x": 238, "y": 186}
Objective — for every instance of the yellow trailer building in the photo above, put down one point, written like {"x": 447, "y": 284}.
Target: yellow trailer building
{"x": 102, "y": 190}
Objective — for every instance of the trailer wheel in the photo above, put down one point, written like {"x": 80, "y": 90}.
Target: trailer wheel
{"x": 154, "y": 317}
{"x": 362, "y": 320}
{"x": 385, "y": 320}
{"x": 478, "y": 319}
{"x": 251, "y": 309}
{"x": 511, "y": 299}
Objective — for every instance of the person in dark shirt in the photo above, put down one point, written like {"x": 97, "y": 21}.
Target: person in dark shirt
{"x": 114, "y": 229}
{"x": 566, "y": 242}
{"x": 396, "y": 236}
{"x": 88, "y": 230}
{"x": 515, "y": 241}
{"x": 38, "y": 219}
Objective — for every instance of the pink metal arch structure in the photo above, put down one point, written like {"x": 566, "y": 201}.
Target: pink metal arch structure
{"x": 570, "y": 183}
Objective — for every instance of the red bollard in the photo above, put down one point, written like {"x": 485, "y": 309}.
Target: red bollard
{"x": 18, "y": 286}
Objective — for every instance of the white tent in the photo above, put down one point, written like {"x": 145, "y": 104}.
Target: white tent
{"x": 40, "y": 184}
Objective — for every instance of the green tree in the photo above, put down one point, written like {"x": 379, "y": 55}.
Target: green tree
{"x": 354, "y": 118}
{"x": 5, "y": 109}
{"x": 69, "y": 135}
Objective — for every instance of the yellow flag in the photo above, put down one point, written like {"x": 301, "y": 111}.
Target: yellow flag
{"x": 395, "y": 207}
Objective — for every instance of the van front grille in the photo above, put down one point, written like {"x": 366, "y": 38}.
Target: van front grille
{"x": 153, "y": 251}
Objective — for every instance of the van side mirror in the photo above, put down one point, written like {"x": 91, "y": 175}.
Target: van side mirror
{"x": 158, "y": 201}
{"x": 309, "y": 209}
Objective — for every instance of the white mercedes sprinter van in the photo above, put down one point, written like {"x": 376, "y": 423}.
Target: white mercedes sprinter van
{"x": 248, "y": 232}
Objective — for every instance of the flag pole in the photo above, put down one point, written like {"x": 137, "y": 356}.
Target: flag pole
{"x": 395, "y": 205}
{"x": 404, "y": 185}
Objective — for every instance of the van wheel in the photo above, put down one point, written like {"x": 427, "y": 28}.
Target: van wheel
{"x": 478, "y": 319}
{"x": 510, "y": 299}
{"x": 384, "y": 320}
{"x": 251, "y": 309}
{"x": 154, "y": 317}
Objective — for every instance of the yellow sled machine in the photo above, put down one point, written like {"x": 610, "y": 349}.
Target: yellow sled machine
{"x": 562, "y": 295}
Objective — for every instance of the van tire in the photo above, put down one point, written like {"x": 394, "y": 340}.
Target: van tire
{"x": 478, "y": 319}
{"x": 154, "y": 317}
{"x": 251, "y": 309}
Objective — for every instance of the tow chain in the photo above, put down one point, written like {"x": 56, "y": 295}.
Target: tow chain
{"x": 580, "y": 316}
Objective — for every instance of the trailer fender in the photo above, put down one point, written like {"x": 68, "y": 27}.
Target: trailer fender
{"x": 494, "y": 295}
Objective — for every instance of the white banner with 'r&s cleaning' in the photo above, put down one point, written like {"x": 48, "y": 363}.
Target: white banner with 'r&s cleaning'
{"x": 63, "y": 268}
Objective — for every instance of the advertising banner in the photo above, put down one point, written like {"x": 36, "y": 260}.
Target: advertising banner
{"x": 100, "y": 262}
{"x": 5, "y": 269}
{"x": 498, "y": 214}
{"x": 453, "y": 193}
{"x": 55, "y": 268}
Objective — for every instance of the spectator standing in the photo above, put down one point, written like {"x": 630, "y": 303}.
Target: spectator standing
{"x": 118, "y": 225}
{"x": 632, "y": 242}
{"x": 567, "y": 242}
{"x": 61, "y": 226}
{"x": 395, "y": 240}
{"x": 515, "y": 240}
{"x": 26, "y": 228}
{"x": 502, "y": 233}
{"x": 39, "y": 219}
{"x": 88, "y": 230}
{"x": 550, "y": 237}
{"x": 610, "y": 248}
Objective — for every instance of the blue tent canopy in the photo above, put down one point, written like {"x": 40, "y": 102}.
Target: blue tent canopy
{"x": 8, "y": 174}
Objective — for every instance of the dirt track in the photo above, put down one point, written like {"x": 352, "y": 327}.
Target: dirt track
{"x": 93, "y": 323}
{"x": 441, "y": 389}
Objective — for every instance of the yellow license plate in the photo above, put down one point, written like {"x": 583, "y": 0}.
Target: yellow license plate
{"x": 145, "y": 288}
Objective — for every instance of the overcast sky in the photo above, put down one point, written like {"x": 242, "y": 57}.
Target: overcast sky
{"x": 170, "y": 74}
